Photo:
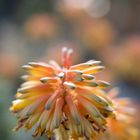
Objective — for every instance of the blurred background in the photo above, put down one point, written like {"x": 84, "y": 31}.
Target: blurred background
{"x": 36, "y": 30}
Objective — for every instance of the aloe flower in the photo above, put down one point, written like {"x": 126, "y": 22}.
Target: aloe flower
{"x": 67, "y": 98}
{"x": 122, "y": 127}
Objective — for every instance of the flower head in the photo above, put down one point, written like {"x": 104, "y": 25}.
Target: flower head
{"x": 63, "y": 97}
{"x": 122, "y": 127}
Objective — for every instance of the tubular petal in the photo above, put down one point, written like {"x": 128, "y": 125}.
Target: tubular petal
{"x": 88, "y": 83}
{"x": 42, "y": 66}
{"x": 93, "y": 70}
{"x": 52, "y": 100}
{"x": 103, "y": 83}
{"x": 49, "y": 80}
{"x": 58, "y": 112}
{"x": 73, "y": 109}
{"x": 88, "y": 76}
{"x": 32, "y": 121}
{"x": 85, "y": 65}
{"x": 95, "y": 114}
{"x": 69, "y": 85}
{"x": 55, "y": 65}
{"x": 97, "y": 100}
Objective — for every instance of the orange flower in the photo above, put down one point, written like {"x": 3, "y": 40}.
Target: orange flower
{"x": 121, "y": 127}
{"x": 63, "y": 98}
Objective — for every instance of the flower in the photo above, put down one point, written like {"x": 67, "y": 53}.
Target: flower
{"x": 66, "y": 97}
{"x": 122, "y": 127}
{"x": 45, "y": 25}
{"x": 97, "y": 34}
{"x": 127, "y": 57}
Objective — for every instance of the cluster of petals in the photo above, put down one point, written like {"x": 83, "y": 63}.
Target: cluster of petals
{"x": 63, "y": 96}
{"x": 123, "y": 124}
